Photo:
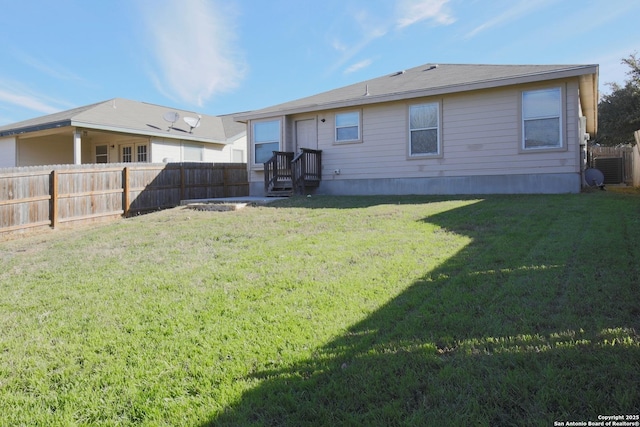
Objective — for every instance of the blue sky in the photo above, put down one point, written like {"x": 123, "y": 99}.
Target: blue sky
{"x": 220, "y": 57}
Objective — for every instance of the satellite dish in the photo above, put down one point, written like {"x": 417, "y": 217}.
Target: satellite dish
{"x": 193, "y": 122}
{"x": 594, "y": 177}
{"x": 171, "y": 117}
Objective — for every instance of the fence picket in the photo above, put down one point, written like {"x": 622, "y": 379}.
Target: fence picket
{"x": 47, "y": 196}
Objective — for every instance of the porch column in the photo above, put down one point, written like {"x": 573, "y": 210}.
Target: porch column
{"x": 77, "y": 148}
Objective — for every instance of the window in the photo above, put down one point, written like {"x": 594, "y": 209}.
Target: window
{"x": 541, "y": 119}
{"x": 142, "y": 153}
{"x": 102, "y": 154}
{"x": 192, "y": 152}
{"x": 237, "y": 156}
{"x": 424, "y": 133}
{"x": 134, "y": 153}
{"x": 126, "y": 154}
{"x": 348, "y": 126}
{"x": 266, "y": 140}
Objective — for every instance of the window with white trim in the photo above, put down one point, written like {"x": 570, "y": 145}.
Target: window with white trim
{"x": 237, "y": 156}
{"x": 348, "y": 126}
{"x": 134, "y": 153}
{"x": 141, "y": 151}
{"x": 102, "y": 154}
{"x": 424, "y": 129}
{"x": 266, "y": 140}
{"x": 127, "y": 156}
{"x": 542, "y": 119}
{"x": 192, "y": 152}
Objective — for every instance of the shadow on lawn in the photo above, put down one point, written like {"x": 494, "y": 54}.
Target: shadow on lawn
{"x": 357, "y": 202}
{"x": 513, "y": 330}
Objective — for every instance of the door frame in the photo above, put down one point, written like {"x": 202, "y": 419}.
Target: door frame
{"x": 314, "y": 144}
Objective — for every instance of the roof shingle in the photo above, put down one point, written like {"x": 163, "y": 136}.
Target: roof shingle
{"x": 424, "y": 80}
{"x": 124, "y": 115}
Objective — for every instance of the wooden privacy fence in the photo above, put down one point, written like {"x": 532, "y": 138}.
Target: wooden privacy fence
{"x": 53, "y": 195}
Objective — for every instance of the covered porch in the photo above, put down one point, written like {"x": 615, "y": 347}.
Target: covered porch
{"x": 72, "y": 145}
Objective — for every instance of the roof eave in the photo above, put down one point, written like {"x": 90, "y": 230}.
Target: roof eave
{"x": 441, "y": 90}
{"x": 236, "y": 137}
{"x": 589, "y": 96}
{"x": 167, "y": 135}
{"x": 35, "y": 128}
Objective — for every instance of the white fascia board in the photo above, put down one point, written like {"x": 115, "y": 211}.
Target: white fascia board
{"x": 167, "y": 135}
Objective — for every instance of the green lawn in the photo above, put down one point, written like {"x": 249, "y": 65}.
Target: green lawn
{"x": 504, "y": 310}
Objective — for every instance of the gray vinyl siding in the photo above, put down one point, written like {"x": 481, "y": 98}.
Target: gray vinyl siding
{"x": 480, "y": 136}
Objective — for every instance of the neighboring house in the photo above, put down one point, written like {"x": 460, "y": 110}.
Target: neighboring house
{"x": 435, "y": 129}
{"x": 121, "y": 130}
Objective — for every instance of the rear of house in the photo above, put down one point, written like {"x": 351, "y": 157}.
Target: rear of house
{"x": 439, "y": 129}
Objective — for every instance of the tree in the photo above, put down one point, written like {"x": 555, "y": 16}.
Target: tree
{"x": 619, "y": 111}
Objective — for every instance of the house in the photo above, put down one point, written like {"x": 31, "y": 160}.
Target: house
{"x": 121, "y": 130}
{"x": 432, "y": 129}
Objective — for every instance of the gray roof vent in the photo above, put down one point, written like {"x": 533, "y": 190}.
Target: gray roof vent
{"x": 398, "y": 73}
{"x": 432, "y": 67}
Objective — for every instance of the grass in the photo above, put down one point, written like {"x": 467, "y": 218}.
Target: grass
{"x": 505, "y": 310}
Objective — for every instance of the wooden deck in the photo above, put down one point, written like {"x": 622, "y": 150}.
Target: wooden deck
{"x": 286, "y": 173}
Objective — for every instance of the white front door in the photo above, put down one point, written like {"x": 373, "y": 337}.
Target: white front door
{"x": 306, "y": 134}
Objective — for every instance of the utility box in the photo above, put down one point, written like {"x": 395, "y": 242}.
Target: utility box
{"x": 612, "y": 168}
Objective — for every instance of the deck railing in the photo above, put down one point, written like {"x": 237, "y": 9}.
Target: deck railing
{"x": 286, "y": 173}
{"x": 306, "y": 169}
{"x": 277, "y": 172}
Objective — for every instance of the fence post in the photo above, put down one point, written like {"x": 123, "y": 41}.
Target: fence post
{"x": 182, "y": 183}
{"x": 126, "y": 202}
{"x": 53, "y": 191}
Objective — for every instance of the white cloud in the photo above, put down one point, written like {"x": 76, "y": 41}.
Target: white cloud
{"x": 369, "y": 28}
{"x": 18, "y": 100}
{"x": 358, "y": 66}
{"x": 372, "y": 27}
{"x": 339, "y": 46}
{"x": 193, "y": 42}
{"x": 518, "y": 10}
{"x": 414, "y": 11}
{"x": 51, "y": 69}
{"x": 28, "y": 101}
{"x": 17, "y": 95}
{"x": 351, "y": 52}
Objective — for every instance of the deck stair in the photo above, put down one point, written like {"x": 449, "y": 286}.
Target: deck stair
{"x": 287, "y": 173}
